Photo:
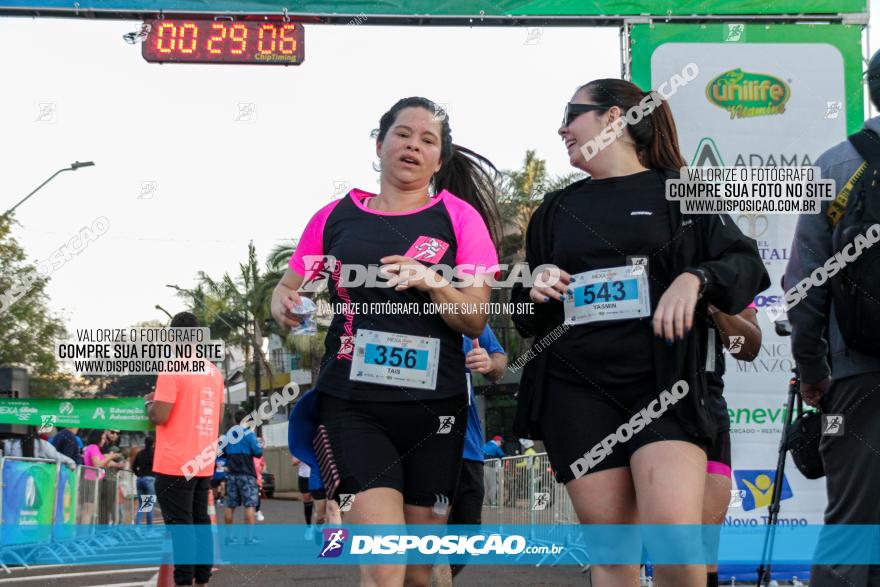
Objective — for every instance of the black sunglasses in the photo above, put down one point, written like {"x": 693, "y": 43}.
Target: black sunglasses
{"x": 572, "y": 111}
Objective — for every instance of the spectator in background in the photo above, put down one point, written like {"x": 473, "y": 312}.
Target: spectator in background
{"x": 109, "y": 438}
{"x": 146, "y": 481}
{"x": 492, "y": 449}
{"x": 38, "y": 447}
{"x": 241, "y": 478}
{"x": 483, "y": 355}
{"x": 260, "y": 466}
{"x": 69, "y": 444}
{"x": 186, "y": 409}
{"x": 93, "y": 457}
{"x": 218, "y": 481}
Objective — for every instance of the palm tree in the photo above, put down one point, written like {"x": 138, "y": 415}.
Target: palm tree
{"x": 520, "y": 192}
{"x": 310, "y": 349}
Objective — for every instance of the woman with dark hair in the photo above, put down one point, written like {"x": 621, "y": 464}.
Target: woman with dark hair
{"x": 629, "y": 362}
{"x": 393, "y": 370}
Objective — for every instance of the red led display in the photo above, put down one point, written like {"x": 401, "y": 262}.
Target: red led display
{"x": 224, "y": 41}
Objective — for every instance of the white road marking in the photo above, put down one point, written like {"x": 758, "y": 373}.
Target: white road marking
{"x": 83, "y": 574}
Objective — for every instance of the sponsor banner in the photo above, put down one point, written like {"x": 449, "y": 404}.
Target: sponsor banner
{"x": 120, "y": 413}
{"x": 747, "y": 110}
{"x": 28, "y": 501}
{"x": 65, "y": 504}
{"x": 487, "y": 545}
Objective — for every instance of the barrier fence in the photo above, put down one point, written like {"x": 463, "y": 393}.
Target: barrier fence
{"x": 50, "y": 512}
{"x": 521, "y": 490}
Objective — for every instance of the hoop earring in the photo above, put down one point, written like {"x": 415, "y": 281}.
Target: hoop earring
{"x": 377, "y": 166}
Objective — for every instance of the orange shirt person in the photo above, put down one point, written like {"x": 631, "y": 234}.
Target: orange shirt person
{"x": 186, "y": 408}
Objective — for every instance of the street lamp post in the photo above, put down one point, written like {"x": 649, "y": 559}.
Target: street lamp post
{"x": 158, "y": 307}
{"x": 73, "y": 167}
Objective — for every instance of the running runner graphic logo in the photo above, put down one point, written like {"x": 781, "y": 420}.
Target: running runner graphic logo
{"x": 446, "y": 423}
{"x": 334, "y": 541}
{"x": 832, "y": 425}
{"x": 346, "y": 500}
{"x": 736, "y": 343}
{"x": 427, "y": 248}
{"x": 147, "y": 503}
{"x": 346, "y": 345}
{"x": 541, "y": 501}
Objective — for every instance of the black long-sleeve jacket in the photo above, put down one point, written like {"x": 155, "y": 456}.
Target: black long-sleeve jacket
{"x": 711, "y": 242}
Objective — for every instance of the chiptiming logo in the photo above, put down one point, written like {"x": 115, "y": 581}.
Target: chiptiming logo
{"x": 745, "y": 95}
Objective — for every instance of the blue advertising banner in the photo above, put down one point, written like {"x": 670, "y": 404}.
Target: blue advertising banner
{"x": 28, "y": 501}
{"x": 65, "y": 504}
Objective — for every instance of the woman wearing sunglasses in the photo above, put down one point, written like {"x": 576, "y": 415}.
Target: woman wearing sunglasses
{"x": 390, "y": 381}
{"x": 629, "y": 364}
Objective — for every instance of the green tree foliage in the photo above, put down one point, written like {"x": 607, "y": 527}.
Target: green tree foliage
{"x": 29, "y": 330}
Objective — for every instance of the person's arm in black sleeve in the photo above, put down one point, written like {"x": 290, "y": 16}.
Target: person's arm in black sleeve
{"x": 528, "y": 325}
{"x": 138, "y": 465}
{"x": 734, "y": 270}
{"x": 811, "y": 248}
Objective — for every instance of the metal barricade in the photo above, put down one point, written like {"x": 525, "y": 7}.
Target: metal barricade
{"x": 127, "y": 498}
{"x": 108, "y": 512}
{"x": 523, "y": 491}
{"x": 87, "y": 494}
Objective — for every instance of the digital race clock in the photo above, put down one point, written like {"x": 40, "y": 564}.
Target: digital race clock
{"x": 224, "y": 41}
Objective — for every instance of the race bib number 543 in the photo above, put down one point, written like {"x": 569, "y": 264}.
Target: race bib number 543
{"x": 613, "y": 293}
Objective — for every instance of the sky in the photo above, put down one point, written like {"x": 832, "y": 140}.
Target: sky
{"x": 182, "y": 181}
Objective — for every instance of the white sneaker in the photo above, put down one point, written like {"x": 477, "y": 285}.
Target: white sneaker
{"x": 260, "y": 516}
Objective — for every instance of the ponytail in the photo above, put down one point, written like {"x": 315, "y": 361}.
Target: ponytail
{"x": 466, "y": 174}
{"x": 662, "y": 151}
{"x": 655, "y": 136}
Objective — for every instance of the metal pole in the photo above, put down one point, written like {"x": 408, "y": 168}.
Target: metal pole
{"x": 73, "y": 167}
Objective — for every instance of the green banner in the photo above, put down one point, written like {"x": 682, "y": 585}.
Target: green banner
{"x": 121, "y": 413}
{"x": 645, "y": 40}
{"x": 608, "y": 10}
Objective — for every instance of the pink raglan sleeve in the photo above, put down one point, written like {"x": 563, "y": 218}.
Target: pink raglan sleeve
{"x": 475, "y": 253}
{"x": 309, "y": 250}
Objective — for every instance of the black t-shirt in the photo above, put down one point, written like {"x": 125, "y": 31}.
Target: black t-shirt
{"x": 599, "y": 226}
{"x": 447, "y": 231}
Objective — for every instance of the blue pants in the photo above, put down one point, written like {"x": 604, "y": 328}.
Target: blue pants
{"x": 145, "y": 486}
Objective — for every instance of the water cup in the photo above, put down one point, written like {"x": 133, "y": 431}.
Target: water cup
{"x": 304, "y": 312}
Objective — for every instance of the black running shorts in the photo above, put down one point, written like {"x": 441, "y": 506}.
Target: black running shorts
{"x": 578, "y": 417}
{"x": 414, "y": 447}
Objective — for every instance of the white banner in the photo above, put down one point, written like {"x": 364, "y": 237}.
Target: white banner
{"x": 760, "y": 104}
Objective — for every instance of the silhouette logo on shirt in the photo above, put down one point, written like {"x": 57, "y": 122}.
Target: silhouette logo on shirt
{"x": 427, "y": 248}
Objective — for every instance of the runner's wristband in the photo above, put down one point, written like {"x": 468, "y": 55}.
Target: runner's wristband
{"x": 701, "y": 275}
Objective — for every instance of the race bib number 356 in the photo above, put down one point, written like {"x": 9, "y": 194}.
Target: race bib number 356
{"x": 613, "y": 293}
{"x": 390, "y": 358}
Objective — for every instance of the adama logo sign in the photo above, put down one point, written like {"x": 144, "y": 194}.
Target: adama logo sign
{"x": 745, "y": 95}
